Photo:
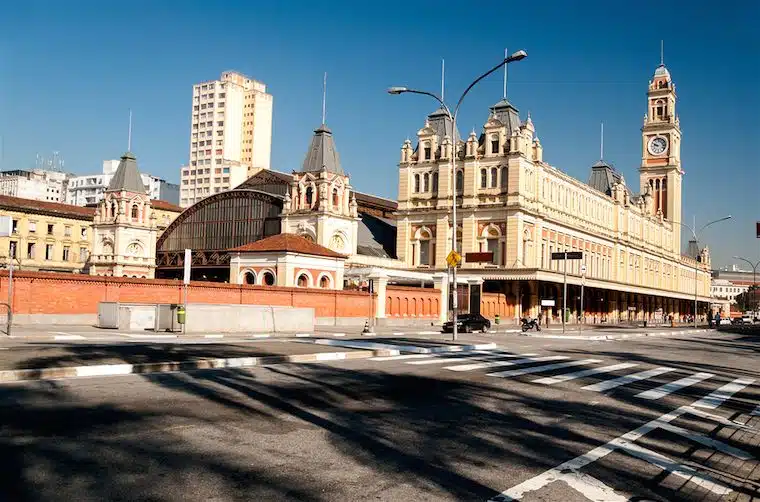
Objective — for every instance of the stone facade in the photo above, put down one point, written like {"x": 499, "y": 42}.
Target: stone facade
{"x": 521, "y": 209}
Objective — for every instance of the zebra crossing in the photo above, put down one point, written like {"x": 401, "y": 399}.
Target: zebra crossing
{"x": 506, "y": 364}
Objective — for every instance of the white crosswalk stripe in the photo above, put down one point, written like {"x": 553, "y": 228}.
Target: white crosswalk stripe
{"x": 401, "y": 357}
{"x": 583, "y": 373}
{"x": 717, "y": 397}
{"x": 671, "y": 387}
{"x": 496, "y": 364}
{"x": 541, "y": 369}
{"x": 707, "y": 441}
{"x": 625, "y": 380}
{"x": 474, "y": 357}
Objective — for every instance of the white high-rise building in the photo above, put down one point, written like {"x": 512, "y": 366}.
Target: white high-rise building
{"x": 230, "y": 135}
{"x": 37, "y": 184}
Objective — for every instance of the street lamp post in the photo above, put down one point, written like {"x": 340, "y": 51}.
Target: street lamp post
{"x": 517, "y": 56}
{"x": 754, "y": 274}
{"x": 695, "y": 236}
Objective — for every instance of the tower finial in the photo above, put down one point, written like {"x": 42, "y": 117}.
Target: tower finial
{"x": 662, "y": 52}
{"x": 505, "y": 74}
{"x": 129, "y": 134}
{"x": 601, "y": 143}
{"x": 324, "y": 99}
{"x": 443, "y": 78}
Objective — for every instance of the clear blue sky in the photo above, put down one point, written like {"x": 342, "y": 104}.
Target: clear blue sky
{"x": 70, "y": 70}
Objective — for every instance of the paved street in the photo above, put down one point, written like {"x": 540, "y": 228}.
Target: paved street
{"x": 533, "y": 419}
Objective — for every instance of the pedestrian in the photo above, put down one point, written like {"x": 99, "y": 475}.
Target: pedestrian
{"x": 540, "y": 316}
{"x": 717, "y": 320}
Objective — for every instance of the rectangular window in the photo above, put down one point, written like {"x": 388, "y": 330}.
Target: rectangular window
{"x": 428, "y": 153}
{"x": 495, "y": 146}
{"x": 483, "y": 178}
{"x": 48, "y": 251}
{"x": 84, "y": 233}
{"x": 14, "y": 226}
{"x": 12, "y": 249}
{"x": 82, "y": 254}
{"x": 217, "y": 180}
{"x": 67, "y": 231}
{"x": 32, "y": 227}
{"x": 226, "y": 170}
{"x": 226, "y": 179}
{"x": 424, "y": 252}
{"x": 30, "y": 250}
{"x": 66, "y": 253}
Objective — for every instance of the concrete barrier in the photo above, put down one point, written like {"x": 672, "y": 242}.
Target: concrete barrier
{"x": 137, "y": 317}
{"x": 248, "y": 318}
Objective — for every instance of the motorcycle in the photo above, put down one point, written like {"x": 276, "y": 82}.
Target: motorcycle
{"x": 530, "y": 324}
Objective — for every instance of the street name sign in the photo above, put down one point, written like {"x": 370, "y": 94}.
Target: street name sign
{"x": 485, "y": 257}
{"x": 568, "y": 255}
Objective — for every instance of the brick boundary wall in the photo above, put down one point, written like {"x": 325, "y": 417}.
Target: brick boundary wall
{"x": 406, "y": 301}
{"x": 56, "y": 293}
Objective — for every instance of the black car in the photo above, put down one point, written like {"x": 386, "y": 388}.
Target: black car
{"x": 467, "y": 323}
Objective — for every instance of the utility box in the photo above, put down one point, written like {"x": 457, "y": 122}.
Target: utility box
{"x": 108, "y": 315}
{"x": 166, "y": 317}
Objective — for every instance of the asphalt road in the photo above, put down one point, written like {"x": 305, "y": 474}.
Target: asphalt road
{"x": 387, "y": 429}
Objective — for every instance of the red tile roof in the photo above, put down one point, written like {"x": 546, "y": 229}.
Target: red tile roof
{"x": 45, "y": 207}
{"x": 288, "y": 242}
{"x": 165, "y": 206}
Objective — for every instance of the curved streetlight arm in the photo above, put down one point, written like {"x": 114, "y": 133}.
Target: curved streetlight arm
{"x": 515, "y": 57}
{"x": 690, "y": 228}
{"x": 715, "y": 221}
{"x": 753, "y": 265}
{"x": 426, "y": 93}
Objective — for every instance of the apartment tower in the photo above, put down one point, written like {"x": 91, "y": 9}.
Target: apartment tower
{"x": 230, "y": 135}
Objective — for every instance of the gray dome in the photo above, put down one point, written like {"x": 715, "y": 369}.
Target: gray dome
{"x": 661, "y": 71}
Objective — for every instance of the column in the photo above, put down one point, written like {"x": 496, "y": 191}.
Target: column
{"x": 380, "y": 282}
{"x": 441, "y": 283}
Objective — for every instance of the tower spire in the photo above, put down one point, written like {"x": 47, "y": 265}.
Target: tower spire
{"x": 324, "y": 98}
{"x": 662, "y": 52}
{"x": 601, "y": 143}
{"x": 443, "y": 78}
{"x": 505, "y": 74}
{"x": 129, "y": 134}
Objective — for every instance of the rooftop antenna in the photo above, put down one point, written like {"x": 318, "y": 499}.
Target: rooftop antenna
{"x": 324, "y": 98}
{"x": 505, "y": 74}
{"x": 662, "y": 52}
{"x": 601, "y": 144}
{"x": 443, "y": 77}
{"x": 129, "y": 136}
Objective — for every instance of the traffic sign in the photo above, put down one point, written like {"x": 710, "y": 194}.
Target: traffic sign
{"x": 484, "y": 257}
{"x": 453, "y": 259}
{"x": 583, "y": 269}
{"x": 568, "y": 255}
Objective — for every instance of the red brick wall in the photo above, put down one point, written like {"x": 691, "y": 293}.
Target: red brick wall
{"x": 50, "y": 293}
{"x": 402, "y": 301}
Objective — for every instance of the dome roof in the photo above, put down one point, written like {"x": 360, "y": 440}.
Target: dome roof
{"x": 661, "y": 71}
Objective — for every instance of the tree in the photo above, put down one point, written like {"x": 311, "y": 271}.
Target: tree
{"x": 749, "y": 300}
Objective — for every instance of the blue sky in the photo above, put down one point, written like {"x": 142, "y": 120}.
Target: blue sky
{"x": 69, "y": 71}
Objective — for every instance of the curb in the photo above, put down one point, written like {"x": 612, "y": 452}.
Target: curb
{"x": 172, "y": 367}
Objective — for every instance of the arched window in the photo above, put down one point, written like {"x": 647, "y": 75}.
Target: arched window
{"x": 309, "y": 196}
{"x": 503, "y": 177}
{"x": 425, "y": 247}
{"x": 426, "y": 183}
{"x": 267, "y": 279}
{"x": 492, "y": 244}
{"x": 114, "y": 211}
{"x": 336, "y": 199}
{"x": 435, "y": 182}
{"x": 416, "y": 183}
{"x": 303, "y": 281}
{"x": 324, "y": 282}
{"x": 483, "y": 178}
{"x": 494, "y": 177}
{"x": 460, "y": 181}
{"x": 135, "y": 212}
{"x": 249, "y": 277}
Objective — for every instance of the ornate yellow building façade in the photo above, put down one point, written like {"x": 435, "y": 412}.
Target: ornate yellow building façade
{"x": 520, "y": 208}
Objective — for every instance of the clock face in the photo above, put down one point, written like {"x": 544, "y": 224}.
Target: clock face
{"x": 658, "y": 145}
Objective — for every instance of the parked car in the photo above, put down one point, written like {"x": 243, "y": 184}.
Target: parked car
{"x": 467, "y": 323}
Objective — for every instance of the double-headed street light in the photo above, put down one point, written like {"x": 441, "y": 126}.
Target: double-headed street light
{"x": 517, "y": 56}
{"x": 695, "y": 236}
{"x": 754, "y": 274}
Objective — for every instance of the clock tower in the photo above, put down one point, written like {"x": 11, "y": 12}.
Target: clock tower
{"x": 660, "y": 173}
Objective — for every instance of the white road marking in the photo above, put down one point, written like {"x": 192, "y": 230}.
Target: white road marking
{"x": 429, "y": 333}
{"x": 338, "y": 334}
{"x": 624, "y": 380}
{"x": 261, "y": 336}
{"x": 707, "y": 441}
{"x": 716, "y": 398}
{"x": 151, "y": 336}
{"x": 302, "y": 335}
{"x": 670, "y": 465}
{"x": 591, "y": 488}
{"x": 213, "y": 336}
{"x": 671, "y": 387}
{"x": 715, "y": 418}
{"x": 400, "y": 358}
{"x": 541, "y": 369}
{"x": 68, "y": 337}
{"x": 573, "y": 465}
{"x": 496, "y": 364}
{"x": 756, "y": 411}
{"x": 398, "y": 334}
{"x": 470, "y": 356}
{"x": 584, "y": 373}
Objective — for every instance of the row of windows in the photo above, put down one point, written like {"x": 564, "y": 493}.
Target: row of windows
{"x": 489, "y": 178}
{"x": 31, "y": 252}
{"x": 32, "y": 228}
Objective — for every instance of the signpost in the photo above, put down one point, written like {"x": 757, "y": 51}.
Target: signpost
{"x": 564, "y": 256}
{"x": 583, "y": 283}
{"x": 186, "y": 280}
{"x": 6, "y": 228}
